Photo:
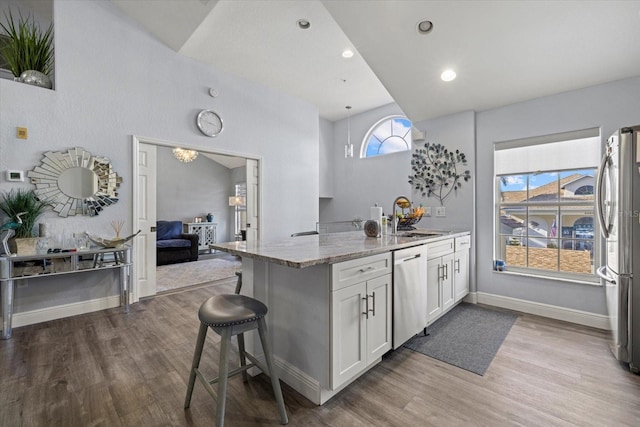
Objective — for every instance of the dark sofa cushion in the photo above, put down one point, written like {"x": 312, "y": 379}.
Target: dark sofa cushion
{"x": 168, "y": 230}
{"x": 173, "y": 243}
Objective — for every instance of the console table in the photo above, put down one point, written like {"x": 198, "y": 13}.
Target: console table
{"x": 206, "y": 232}
{"x": 15, "y": 268}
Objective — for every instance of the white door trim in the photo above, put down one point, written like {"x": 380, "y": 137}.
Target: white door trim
{"x": 136, "y": 140}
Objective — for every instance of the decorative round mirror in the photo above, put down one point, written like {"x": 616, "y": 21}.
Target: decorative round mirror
{"x": 75, "y": 182}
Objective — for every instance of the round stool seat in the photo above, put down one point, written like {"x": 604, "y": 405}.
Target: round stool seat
{"x": 229, "y": 310}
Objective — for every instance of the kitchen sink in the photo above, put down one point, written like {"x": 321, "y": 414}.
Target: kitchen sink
{"x": 423, "y": 233}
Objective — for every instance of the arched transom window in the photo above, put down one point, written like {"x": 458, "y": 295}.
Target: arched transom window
{"x": 389, "y": 135}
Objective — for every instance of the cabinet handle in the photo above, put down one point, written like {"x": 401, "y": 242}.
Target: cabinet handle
{"x": 373, "y": 312}
{"x": 440, "y": 272}
{"x": 366, "y": 307}
{"x": 445, "y": 268}
{"x": 364, "y": 270}
{"x": 457, "y": 266}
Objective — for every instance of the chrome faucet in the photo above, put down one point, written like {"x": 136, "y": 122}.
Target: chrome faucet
{"x": 394, "y": 218}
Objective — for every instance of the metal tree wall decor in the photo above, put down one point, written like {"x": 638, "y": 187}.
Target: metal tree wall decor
{"x": 436, "y": 171}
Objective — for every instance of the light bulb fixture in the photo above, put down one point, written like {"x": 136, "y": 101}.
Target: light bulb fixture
{"x": 348, "y": 148}
{"x": 236, "y": 201}
{"x": 303, "y": 24}
{"x": 425, "y": 26}
{"x": 448, "y": 75}
{"x": 347, "y": 53}
{"x": 185, "y": 156}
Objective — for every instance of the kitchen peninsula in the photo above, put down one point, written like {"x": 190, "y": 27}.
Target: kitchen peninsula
{"x": 330, "y": 301}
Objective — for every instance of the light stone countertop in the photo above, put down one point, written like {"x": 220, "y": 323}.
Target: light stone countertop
{"x": 306, "y": 251}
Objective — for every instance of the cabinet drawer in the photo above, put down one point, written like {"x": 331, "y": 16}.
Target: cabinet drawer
{"x": 359, "y": 270}
{"x": 463, "y": 243}
{"x": 440, "y": 248}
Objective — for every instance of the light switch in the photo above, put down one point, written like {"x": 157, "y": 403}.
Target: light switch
{"x": 22, "y": 133}
{"x": 440, "y": 211}
{"x": 427, "y": 211}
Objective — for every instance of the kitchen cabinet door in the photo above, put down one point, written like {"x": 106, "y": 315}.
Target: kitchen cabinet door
{"x": 448, "y": 292}
{"x": 378, "y": 321}
{"x": 349, "y": 334}
{"x": 434, "y": 290}
{"x": 461, "y": 274}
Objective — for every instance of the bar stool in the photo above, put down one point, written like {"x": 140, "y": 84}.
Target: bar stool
{"x": 230, "y": 315}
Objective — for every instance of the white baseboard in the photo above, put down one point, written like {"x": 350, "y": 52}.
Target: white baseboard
{"x": 66, "y": 310}
{"x": 579, "y": 317}
{"x": 300, "y": 381}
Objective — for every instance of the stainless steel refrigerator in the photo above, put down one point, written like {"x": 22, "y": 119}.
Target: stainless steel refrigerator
{"x": 618, "y": 206}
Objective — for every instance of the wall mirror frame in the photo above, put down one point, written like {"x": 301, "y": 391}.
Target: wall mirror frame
{"x": 75, "y": 182}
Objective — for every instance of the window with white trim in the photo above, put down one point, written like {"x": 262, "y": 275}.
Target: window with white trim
{"x": 389, "y": 135}
{"x": 545, "y": 204}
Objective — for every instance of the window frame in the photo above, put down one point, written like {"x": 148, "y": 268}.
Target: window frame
{"x": 583, "y": 278}
{"x": 374, "y": 127}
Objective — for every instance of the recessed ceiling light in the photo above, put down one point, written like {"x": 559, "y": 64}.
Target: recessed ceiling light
{"x": 448, "y": 75}
{"x": 347, "y": 53}
{"x": 425, "y": 27}
{"x": 303, "y": 24}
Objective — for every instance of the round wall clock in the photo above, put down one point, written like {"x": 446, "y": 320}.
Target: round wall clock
{"x": 209, "y": 123}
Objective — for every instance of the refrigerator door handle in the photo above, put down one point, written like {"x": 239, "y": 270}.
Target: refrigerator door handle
{"x": 604, "y": 227}
{"x": 604, "y": 274}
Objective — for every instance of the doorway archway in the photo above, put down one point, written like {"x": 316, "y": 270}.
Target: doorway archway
{"x": 144, "y": 205}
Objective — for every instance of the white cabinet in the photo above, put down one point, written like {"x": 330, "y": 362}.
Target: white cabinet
{"x": 360, "y": 315}
{"x": 447, "y": 275}
{"x": 461, "y": 267}
{"x": 206, "y": 232}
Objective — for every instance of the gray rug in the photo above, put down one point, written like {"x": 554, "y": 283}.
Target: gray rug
{"x": 467, "y": 337}
{"x": 173, "y": 276}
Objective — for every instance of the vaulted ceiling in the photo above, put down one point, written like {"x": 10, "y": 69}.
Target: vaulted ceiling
{"x": 502, "y": 51}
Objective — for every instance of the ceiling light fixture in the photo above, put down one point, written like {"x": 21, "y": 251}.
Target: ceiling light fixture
{"x": 185, "y": 156}
{"x": 303, "y": 24}
{"x": 425, "y": 27}
{"x": 348, "y": 148}
{"x": 448, "y": 75}
{"x": 347, "y": 53}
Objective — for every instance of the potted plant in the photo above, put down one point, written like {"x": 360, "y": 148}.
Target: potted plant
{"x": 28, "y": 51}
{"x": 23, "y": 209}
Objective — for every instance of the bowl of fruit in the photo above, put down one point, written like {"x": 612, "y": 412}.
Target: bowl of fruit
{"x": 408, "y": 216}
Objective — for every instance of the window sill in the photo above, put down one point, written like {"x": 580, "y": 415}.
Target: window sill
{"x": 594, "y": 282}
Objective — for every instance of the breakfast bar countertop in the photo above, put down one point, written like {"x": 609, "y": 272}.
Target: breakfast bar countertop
{"x": 306, "y": 251}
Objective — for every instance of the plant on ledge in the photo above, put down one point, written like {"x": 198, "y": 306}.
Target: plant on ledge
{"x": 18, "y": 201}
{"x": 27, "y": 48}
{"x": 435, "y": 171}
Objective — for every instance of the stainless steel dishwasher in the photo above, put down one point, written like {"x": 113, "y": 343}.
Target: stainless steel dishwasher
{"x": 409, "y": 293}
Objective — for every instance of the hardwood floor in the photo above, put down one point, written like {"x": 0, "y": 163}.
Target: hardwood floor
{"x": 112, "y": 369}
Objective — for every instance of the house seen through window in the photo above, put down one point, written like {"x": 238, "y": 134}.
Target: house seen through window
{"x": 545, "y": 218}
{"x": 389, "y": 135}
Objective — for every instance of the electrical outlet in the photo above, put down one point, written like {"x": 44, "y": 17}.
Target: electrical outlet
{"x": 440, "y": 211}
{"x": 427, "y": 211}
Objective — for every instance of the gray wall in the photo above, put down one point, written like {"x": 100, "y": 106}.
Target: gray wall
{"x": 114, "y": 80}
{"x": 360, "y": 183}
{"x": 608, "y": 106}
{"x": 193, "y": 189}
{"x": 325, "y": 157}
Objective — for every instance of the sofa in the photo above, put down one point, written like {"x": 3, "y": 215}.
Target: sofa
{"x": 172, "y": 245}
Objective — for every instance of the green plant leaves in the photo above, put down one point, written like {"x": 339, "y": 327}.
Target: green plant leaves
{"x": 28, "y": 48}
{"x": 20, "y": 200}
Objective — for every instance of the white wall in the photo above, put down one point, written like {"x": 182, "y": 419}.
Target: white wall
{"x": 193, "y": 189}
{"x": 609, "y": 107}
{"x": 358, "y": 183}
{"x": 114, "y": 80}
{"x": 325, "y": 157}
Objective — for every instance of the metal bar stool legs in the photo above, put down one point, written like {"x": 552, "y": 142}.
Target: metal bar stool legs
{"x": 230, "y": 315}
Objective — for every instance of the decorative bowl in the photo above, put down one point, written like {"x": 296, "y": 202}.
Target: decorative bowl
{"x": 109, "y": 243}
